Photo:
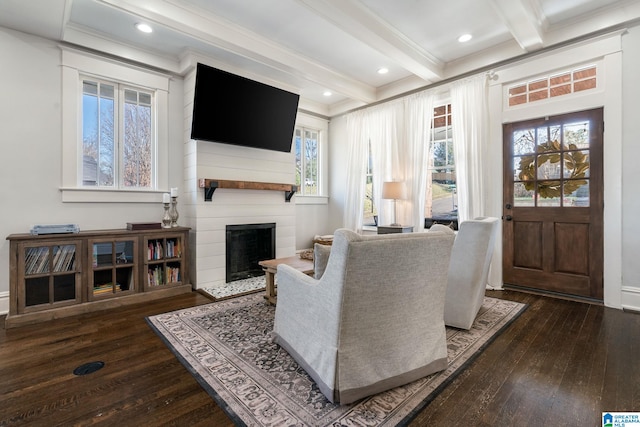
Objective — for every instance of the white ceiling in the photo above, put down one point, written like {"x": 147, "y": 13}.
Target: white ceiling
{"x": 310, "y": 46}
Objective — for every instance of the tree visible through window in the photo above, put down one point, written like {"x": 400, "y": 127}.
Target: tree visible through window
{"x": 307, "y": 144}
{"x": 117, "y": 136}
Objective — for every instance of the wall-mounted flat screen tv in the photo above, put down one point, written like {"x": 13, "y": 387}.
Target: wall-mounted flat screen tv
{"x": 231, "y": 109}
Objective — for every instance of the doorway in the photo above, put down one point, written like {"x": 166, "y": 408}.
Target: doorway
{"x": 553, "y": 204}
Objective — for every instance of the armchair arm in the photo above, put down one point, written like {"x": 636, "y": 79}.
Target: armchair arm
{"x": 297, "y": 291}
{"x": 306, "y": 323}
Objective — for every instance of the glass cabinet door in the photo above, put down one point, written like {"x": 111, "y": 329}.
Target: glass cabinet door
{"x": 113, "y": 267}
{"x": 50, "y": 274}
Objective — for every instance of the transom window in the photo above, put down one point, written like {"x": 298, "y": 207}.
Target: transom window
{"x": 307, "y": 144}
{"x": 564, "y": 83}
{"x": 118, "y": 138}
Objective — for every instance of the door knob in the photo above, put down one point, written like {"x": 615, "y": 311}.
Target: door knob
{"x": 508, "y": 217}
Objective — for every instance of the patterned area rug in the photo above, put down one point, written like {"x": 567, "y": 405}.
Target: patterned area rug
{"x": 227, "y": 346}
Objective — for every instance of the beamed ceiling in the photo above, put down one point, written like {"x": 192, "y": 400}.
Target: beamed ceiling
{"x": 314, "y": 46}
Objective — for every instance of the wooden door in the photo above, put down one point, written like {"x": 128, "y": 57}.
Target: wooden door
{"x": 553, "y": 204}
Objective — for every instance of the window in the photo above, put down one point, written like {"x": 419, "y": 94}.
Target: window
{"x": 560, "y": 84}
{"x": 307, "y": 149}
{"x": 115, "y": 130}
{"x": 118, "y": 138}
{"x": 441, "y": 199}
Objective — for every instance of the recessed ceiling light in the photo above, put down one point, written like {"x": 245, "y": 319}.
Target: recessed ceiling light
{"x": 383, "y": 70}
{"x": 327, "y": 93}
{"x": 144, "y": 28}
{"x": 465, "y": 38}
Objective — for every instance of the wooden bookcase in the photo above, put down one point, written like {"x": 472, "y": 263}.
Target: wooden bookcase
{"x": 59, "y": 275}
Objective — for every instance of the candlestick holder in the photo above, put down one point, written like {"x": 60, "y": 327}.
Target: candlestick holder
{"x": 174, "y": 212}
{"x": 166, "y": 219}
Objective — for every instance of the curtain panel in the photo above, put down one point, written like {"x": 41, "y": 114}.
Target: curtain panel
{"x": 397, "y": 133}
{"x": 470, "y": 131}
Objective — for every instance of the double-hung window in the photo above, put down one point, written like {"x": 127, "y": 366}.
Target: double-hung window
{"x": 441, "y": 200}
{"x": 115, "y": 130}
{"x": 118, "y": 137}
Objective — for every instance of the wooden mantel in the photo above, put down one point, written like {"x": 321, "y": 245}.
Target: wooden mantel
{"x": 210, "y": 186}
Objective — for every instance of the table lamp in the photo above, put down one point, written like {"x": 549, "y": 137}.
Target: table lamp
{"x": 394, "y": 190}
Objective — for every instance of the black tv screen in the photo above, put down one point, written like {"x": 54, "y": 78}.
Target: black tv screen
{"x": 231, "y": 109}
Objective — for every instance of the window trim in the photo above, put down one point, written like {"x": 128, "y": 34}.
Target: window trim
{"x": 75, "y": 65}
{"x": 322, "y": 127}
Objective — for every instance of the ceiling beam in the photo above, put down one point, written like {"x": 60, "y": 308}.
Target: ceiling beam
{"x": 356, "y": 19}
{"x": 524, "y": 20}
{"x": 223, "y": 34}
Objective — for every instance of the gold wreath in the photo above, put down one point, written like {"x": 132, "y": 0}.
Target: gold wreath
{"x": 574, "y": 160}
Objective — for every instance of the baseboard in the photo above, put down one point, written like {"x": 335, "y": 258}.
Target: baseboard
{"x": 631, "y": 299}
{"x": 4, "y": 303}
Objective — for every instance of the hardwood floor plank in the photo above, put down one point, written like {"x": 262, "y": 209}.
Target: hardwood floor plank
{"x": 560, "y": 363}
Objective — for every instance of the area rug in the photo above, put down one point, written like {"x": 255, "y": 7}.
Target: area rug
{"x": 227, "y": 346}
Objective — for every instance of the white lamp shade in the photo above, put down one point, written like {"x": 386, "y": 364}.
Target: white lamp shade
{"x": 394, "y": 190}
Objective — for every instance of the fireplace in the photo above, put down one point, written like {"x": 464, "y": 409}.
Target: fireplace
{"x": 246, "y": 245}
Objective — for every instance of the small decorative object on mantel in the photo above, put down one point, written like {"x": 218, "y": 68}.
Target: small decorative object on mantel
{"x": 166, "y": 219}
{"x": 132, "y": 226}
{"x": 174, "y": 207}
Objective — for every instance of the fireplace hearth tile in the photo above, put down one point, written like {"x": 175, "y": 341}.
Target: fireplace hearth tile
{"x": 236, "y": 288}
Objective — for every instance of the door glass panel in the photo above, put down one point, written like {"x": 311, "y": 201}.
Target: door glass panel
{"x": 554, "y": 169}
{"x": 578, "y": 134}
{"x": 549, "y": 166}
{"x": 523, "y": 142}
{"x": 576, "y": 164}
{"x": 522, "y": 196}
{"x": 549, "y": 190}
{"x": 579, "y": 197}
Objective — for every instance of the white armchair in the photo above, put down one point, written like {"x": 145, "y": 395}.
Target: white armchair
{"x": 374, "y": 320}
{"x": 469, "y": 270}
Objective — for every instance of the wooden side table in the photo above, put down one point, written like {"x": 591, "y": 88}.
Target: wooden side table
{"x": 270, "y": 268}
{"x": 388, "y": 229}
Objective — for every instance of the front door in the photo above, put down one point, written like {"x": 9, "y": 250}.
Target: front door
{"x": 553, "y": 204}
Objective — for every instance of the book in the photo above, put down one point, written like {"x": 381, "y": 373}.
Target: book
{"x": 143, "y": 226}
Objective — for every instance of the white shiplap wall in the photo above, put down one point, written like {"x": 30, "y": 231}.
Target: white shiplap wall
{"x": 231, "y": 206}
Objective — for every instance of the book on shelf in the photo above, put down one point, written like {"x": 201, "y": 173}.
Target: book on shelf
{"x": 131, "y": 226}
{"x": 106, "y": 288}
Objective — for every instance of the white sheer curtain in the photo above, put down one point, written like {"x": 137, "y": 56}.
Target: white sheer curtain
{"x": 414, "y": 156}
{"x": 398, "y": 134}
{"x": 358, "y": 138}
{"x": 470, "y": 131}
{"x": 470, "y": 126}
{"x": 386, "y": 132}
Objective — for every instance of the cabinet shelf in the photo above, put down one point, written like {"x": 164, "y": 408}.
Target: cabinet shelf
{"x": 54, "y": 276}
{"x": 164, "y": 262}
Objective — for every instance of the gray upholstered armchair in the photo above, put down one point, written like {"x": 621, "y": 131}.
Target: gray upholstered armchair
{"x": 469, "y": 269}
{"x": 374, "y": 320}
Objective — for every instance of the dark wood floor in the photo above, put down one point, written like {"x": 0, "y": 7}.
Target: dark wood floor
{"x": 562, "y": 363}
